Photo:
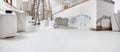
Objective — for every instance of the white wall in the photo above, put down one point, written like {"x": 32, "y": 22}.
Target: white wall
{"x": 104, "y": 8}
{"x": 14, "y": 3}
{"x": 117, "y": 6}
{"x": 55, "y": 3}
{"x": 88, "y": 8}
{"x": 19, "y": 4}
{"x": 57, "y": 9}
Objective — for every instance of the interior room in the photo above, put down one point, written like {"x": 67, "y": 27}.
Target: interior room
{"x": 59, "y": 25}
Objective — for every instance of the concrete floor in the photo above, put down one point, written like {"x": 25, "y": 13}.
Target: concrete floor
{"x": 62, "y": 40}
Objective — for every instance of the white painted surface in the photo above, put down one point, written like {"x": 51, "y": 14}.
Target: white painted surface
{"x": 117, "y": 6}
{"x": 93, "y": 8}
{"x": 4, "y": 6}
{"x": 57, "y": 8}
{"x": 21, "y": 19}
{"x": 19, "y": 4}
{"x": 14, "y": 3}
{"x": 28, "y": 23}
{"x": 89, "y": 8}
{"x": 8, "y": 25}
{"x": 104, "y": 8}
{"x": 63, "y": 40}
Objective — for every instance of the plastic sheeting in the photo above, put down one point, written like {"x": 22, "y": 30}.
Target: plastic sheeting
{"x": 115, "y": 20}
{"x": 8, "y": 25}
{"x": 21, "y": 21}
{"x": 79, "y": 21}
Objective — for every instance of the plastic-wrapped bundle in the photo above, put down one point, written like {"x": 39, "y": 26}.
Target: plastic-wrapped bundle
{"x": 61, "y": 22}
{"x": 79, "y": 21}
{"x": 58, "y": 21}
{"x": 115, "y": 19}
{"x": 21, "y": 19}
{"x": 8, "y": 25}
{"x": 103, "y": 23}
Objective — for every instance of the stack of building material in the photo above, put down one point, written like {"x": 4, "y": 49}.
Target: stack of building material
{"x": 115, "y": 19}
{"x": 21, "y": 18}
{"x": 8, "y": 25}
